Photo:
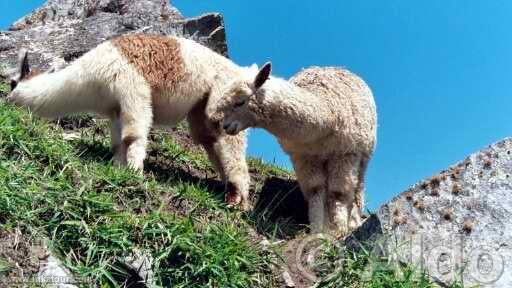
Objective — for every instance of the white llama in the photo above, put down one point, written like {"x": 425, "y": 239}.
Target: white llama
{"x": 137, "y": 81}
{"x": 325, "y": 119}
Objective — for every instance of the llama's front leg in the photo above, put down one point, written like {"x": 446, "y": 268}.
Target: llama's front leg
{"x": 134, "y": 136}
{"x": 227, "y": 154}
{"x": 313, "y": 182}
{"x": 230, "y": 151}
{"x": 117, "y": 144}
{"x": 343, "y": 172}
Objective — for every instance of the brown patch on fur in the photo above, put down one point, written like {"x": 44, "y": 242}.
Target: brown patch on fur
{"x": 156, "y": 57}
{"x": 408, "y": 196}
{"x": 197, "y": 118}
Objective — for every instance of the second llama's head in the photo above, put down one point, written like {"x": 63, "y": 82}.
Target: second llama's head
{"x": 235, "y": 107}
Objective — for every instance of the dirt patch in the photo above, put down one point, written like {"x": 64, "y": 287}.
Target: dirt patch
{"x": 20, "y": 258}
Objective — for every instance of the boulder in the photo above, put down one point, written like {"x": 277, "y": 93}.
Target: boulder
{"x": 63, "y": 30}
{"x": 457, "y": 225}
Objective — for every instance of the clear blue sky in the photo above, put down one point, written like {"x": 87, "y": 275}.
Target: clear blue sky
{"x": 440, "y": 70}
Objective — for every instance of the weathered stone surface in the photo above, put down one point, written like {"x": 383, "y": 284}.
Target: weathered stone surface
{"x": 62, "y": 30}
{"x": 456, "y": 223}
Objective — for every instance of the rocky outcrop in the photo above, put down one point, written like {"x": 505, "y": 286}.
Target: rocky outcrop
{"x": 62, "y": 30}
{"x": 456, "y": 225}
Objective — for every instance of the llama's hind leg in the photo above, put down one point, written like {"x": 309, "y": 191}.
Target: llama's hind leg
{"x": 227, "y": 154}
{"x": 135, "y": 133}
{"x": 312, "y": 178}
{"x": 343, "y": 175}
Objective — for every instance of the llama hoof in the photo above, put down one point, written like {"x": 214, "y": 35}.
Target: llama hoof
{"x": 233, "y": 199}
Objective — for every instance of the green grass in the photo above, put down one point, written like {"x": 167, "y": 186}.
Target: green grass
{"x": 96, "y": 215}
{"x": 266, "y": 169}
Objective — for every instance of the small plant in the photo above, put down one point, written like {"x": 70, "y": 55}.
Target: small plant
{"x": 408, "y": 196}
{"x": 435, "y": 181}
{"x": 448, "y": 214}
{"x": 4, "y": 88}
{"x": 456, "y": 189}
{"x": 419, "y": 204}
{"x": 467, "y": 226}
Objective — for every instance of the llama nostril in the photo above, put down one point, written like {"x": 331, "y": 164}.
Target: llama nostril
{"x": 225, "y": 126}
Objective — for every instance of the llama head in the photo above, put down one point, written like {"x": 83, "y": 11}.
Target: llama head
{"x": 234, "y": 108}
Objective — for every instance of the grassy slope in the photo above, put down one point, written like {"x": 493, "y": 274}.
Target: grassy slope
{"x": 95, "y": 215}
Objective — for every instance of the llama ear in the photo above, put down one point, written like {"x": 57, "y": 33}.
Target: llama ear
{"x": 262, "y": 75}
{"x": 23, "y": 66}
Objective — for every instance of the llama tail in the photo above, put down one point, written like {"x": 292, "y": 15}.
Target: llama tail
{"x": 55, "y": 94}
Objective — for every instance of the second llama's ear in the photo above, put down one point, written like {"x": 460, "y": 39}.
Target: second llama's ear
{"x": 262, "y": 75}
{"x": 23, "y": 66}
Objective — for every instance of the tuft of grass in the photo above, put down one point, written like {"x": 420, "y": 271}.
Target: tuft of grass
{"x": 265, "y": 169}
{"x": 342, "y": 267}
{"x": 4, "y": 88}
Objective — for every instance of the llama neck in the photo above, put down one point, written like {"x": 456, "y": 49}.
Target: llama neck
{"x": 291, "y": 113}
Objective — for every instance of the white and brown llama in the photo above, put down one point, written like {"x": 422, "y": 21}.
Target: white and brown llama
{"x": 325, "y": 119}
{"x": 138, "y": 81}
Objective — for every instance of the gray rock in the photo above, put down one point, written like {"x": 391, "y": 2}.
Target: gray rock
{"x": 53, "y": 274}
{"x": 457, "y": 224}
{"x": 63, "y": 30}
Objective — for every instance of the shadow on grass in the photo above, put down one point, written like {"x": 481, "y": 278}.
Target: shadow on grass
{"x": 279, "y": 206}
{"x": 280, "y": 209}
{"x": 93, "y": 151}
